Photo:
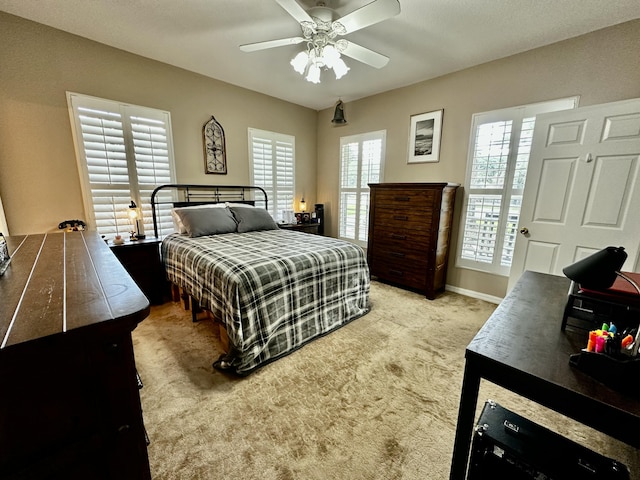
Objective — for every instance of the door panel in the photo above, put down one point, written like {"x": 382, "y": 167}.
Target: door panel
{"x": 555, "y": 184}
{"x": 540, "y": 255}
{"x": 566, "y": 133}
{"x": 609, "y": 195}
{"x": 582, "y": 191}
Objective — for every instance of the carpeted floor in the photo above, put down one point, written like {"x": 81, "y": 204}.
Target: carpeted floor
{"x": 377, "y": 399}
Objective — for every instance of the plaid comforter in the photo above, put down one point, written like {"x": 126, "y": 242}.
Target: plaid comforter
{"x": 273, "y": 290}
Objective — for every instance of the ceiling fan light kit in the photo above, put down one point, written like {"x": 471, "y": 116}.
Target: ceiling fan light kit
{"x": 319, "y": 30}
{"x": 318, "y": 56}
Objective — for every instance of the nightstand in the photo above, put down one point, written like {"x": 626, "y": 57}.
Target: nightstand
{"x": 301, "y": 227}
{"x": 141, "y": 258}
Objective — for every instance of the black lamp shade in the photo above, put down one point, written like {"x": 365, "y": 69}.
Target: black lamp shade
{"x": 597, "y": 271}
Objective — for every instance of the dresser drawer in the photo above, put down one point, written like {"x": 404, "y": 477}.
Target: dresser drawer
{"x": 416, "y": 199}
{"x": 413, "y": 219}
{"x": 401, "y": 239}
{"x": 404, "y": 272}
{"x": 401, "y": 257}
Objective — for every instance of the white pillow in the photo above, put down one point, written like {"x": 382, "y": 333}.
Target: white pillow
{"x": 245, "y": 205}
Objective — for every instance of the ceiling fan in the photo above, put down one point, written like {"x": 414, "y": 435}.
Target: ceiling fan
{"x": 320, "y": 30}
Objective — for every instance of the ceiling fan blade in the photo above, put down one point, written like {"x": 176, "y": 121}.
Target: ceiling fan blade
{"x": 365, "y": 55}
{"x": 372, "y": 13}
{"x": 295, "y": 10}
{"x": 252, "y": 47}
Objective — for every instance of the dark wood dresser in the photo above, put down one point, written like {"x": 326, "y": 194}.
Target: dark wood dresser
{"x": 409, "y": 234}
{"x": 69, "y": 403}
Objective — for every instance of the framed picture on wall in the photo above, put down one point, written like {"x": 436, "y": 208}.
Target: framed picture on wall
{"x": 424, "y": 137}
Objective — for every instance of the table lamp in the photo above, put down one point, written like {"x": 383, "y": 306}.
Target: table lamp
{"x": 134, "y": 215}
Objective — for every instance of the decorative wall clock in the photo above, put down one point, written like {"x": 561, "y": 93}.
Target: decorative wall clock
{"x": 215, "y": 157}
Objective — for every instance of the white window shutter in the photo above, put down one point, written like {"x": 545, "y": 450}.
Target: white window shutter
{"x": 124, "y": 152}
{"x": 272, "y": 157}
{"x": 361, "y": 163}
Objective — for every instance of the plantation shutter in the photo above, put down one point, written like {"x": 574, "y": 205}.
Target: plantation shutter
{"x": 153, "y": 166}
{"x": 361, "y": 163}
{"x": 272, "y": 164}
{"x": 123, "y": 152}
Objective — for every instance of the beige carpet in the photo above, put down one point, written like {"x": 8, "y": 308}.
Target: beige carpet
{"x": 377, "y": 399}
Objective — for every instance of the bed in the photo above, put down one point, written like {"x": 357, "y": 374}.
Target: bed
{"x": 273, "y": 290}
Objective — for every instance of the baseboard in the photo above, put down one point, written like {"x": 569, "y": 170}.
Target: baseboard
{"x": 473, "y": 294}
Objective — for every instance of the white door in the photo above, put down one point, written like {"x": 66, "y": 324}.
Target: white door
{"x": 582, "y": 192}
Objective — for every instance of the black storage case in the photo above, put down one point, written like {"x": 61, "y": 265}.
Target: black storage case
{"x": 506, "y": 445}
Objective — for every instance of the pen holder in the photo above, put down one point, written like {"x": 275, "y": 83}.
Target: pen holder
{"x": 618, "y": 374}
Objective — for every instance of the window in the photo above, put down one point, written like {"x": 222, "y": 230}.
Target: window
{"x": 272, "y": 159}
{"x": 496, "y": 171}
{"x": 361, "y": 163}
{"x": 124, "y": 152}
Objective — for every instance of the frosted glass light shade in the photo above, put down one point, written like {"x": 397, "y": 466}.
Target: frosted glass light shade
{"x": 299, "y": 62}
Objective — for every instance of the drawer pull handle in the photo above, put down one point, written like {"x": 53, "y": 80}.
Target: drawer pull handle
{"x": 402, "y": 199}
{"x": 397, "y": 254}
{"x": 396, "y": 272}
{"x": 401, "y": 217}
{"x": 398, "y": 237}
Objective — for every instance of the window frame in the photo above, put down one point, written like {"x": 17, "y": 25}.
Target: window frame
{"x": 508, "y": 191}
{"x": 275, "y": 205}
{"x": 127, "y": 112}
{"x": 362, "y": 210}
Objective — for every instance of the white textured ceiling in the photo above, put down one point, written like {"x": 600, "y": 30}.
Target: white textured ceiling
{"x": 429, "y": 38}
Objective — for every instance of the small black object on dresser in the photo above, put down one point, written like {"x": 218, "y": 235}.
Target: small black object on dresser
{"x": 506, "y": 445}
{"x": 141, "y": 259}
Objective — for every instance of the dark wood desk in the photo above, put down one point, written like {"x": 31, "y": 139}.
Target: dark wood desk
{"x": 69, "y": 401}
{"x": 522, "y": 348}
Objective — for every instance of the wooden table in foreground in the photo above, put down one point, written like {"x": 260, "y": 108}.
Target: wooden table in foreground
{"x": 521, "y": 348}
{"x": 69, "y": 403}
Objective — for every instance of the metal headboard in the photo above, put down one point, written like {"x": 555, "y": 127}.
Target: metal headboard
{"x": 180, "y": 195}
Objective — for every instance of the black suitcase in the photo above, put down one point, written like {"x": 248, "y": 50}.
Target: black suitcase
{"x": 508, "y": 446}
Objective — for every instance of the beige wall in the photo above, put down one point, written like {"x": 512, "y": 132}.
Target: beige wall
{"x": 599, "y": 67}
{"x": 39, "y": 181}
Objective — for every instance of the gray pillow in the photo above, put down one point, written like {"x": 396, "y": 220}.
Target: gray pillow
{"x": 206, "y": 221}
{"x": 250, "y": 219}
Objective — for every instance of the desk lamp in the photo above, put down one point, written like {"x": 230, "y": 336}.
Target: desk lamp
{"x": 599, "y": 272}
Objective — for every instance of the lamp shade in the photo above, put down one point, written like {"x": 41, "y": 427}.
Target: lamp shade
{"x": 597, "y": 271}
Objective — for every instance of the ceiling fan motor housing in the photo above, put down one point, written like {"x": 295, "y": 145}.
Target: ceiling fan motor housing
{"x": 322, "y": 15}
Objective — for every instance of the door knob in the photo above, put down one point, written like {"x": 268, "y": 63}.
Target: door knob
{"x": 524, "y": 231}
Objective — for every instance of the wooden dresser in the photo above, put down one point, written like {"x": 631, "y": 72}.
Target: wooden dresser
{"x": 409, "y": 234}
{"x": 69, "y": 401}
